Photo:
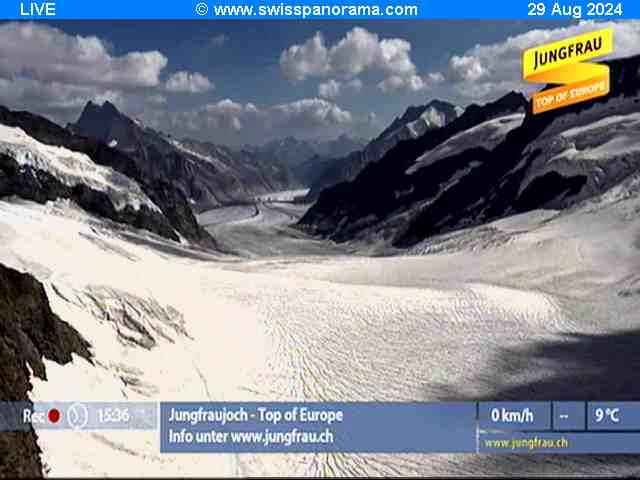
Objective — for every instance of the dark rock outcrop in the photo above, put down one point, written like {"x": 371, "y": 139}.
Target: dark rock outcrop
{"x": 40, "y": 186}
{"x": 29, "y": 333}
{"x": 171, "y": 201}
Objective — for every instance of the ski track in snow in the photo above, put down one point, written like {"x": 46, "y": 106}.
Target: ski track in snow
{"x": 307, "y": 327}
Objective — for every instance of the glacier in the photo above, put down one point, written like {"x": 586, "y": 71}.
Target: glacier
{"x": 453, "y": 318}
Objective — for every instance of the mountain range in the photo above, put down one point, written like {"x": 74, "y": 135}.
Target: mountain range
{"x": 412, "y": 124}
{"x": 492, "y": 161}
{"x": 434, "y": 169}
{"x": 208, "y": 174}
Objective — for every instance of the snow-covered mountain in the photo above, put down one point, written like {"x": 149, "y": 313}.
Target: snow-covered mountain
{"x": 491, "y": 162}
{"x": 41, "y": 161}
{"x": 418, "y": 119}
{"x": 209, "y": 175}
{"x": 415, "y": 121}
{"x": 400, "y": 178}
{"x": 72, "y": 168}
{"x": 486, "y": 135}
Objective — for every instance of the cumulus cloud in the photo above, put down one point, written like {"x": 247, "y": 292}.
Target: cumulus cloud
{"x": 234, "y": 122}
{"x": 47, "y": 71}
{"x": 187, "y": 82}
{"x": 47, "y": 54}
{"x": 310, "y": 59}
{"x": 467, "y": 68}
{"x": 332, "y": 89}
{"x": 310, "y": 112}
{"x": 357, "y": 52}
{"x": 27, "y": 93}
{"x": 62, "y": 103}
{"x": 329, "y": 89}
{"x": 486, "y": 71}
{"x": 413, "y": 83}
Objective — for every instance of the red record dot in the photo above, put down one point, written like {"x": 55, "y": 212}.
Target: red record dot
{"x": 54, "y": 415}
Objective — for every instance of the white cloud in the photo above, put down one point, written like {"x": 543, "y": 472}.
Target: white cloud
{"x": 357, "y": 52}
{"x": 48, "y": 54}
{"x": 219, "y": 40}
{"x": 311, "y": 59}
{"x": 234, "y": 122}
{"x": 63, "y": 103}
{"x": 435, "y": 77}
{"x": 187, "y": 82}
{"x": 52, "y": 98}
{"x": 467, "y": 68}
{"x": 329, "y": 89}
{"x": 332, "y": 89}
{"x": 487, "y": 71}
{"x": 413, "y": 83}
{"x": 52, "y": 73}
{"x": 394, "y": 82}
{"x": 311, "y": 112}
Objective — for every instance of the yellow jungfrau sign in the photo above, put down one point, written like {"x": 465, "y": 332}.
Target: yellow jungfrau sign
{"x": 561, "y": 62}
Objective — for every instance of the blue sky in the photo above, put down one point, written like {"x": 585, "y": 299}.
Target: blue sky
{"x": 250, "y": 82}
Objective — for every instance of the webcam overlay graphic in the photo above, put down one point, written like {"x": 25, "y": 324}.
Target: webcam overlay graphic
{"x": 319, "y": 238}
{"x": 561, "y": 62}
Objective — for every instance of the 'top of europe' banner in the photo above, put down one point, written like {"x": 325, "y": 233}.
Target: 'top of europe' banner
{"x": 563, "y": 62}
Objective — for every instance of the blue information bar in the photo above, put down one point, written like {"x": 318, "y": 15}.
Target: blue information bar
{"x": 317, "y": 9}
{"x": 569, "y": 416}
{"x": 364, "y": 427}
{"x": 520, "y": 416}
{"x": 21, "y": 416}
{"x": 560, "y": 443}
{"x": 350, "y": 427}
{"x": 613, "y": 416}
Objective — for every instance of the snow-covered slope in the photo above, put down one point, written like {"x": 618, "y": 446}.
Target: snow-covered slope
{"x": 601, "y": 143}
{"x": 212, "y": 158}
{"x": 220, "y": 334}
{"x": 486, "y": 135}
{"x": 176, "y": 219}
{"x": 454, "y": 325}
{"x": 72, "y": 168}
{"x": 430, "y": 118}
